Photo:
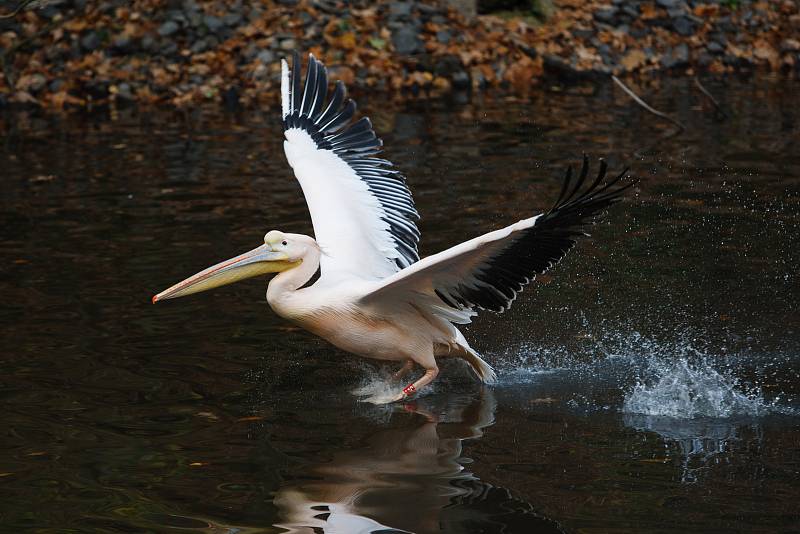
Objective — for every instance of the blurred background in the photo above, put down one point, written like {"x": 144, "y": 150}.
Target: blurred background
{"x": 649, "y": 383}
{"x": 78, "y": 53}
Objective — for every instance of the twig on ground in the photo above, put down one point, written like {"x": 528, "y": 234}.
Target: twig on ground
{"x": 646, "y": 106}
{"x": 710, "y": 97}
{"x": 22, "y": 5}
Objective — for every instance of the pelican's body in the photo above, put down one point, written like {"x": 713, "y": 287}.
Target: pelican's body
{"x": 340, "y": 312}
{"x": 375, "y": 298}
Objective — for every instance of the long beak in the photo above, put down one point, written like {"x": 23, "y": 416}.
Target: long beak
{"x": 261, "y": 260}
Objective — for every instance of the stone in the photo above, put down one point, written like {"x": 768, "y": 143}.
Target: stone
{"x": 683, "y": 26}
{"x": 122, "y": 44}
{"x": 177, "y": 17}
{"x": 169, "y": 48}
{"x": 149, "y": 43}
{"x": 443, "y": 36}
{"x": 49, "y": 12}
{"x": 90, "y": 41}
{"x": 199, "y": 46}
{"x": 715, "y": 48}
{"x": 214, "y": 24}
{"x": 606, "y": 15}
{"x": 669, "y": 4}
{"x": 605, "y": 54}
{"x": 428, "y": 10}
{"x": 467, "y": 8}
{"x": 234, "y": 19}
{"x": 682, "y": 53}
{"x": 631, "y": 10}
{"x": 266, "y": 57}
{"x": 124, "y": 92}
{"x": 37, "y": 82}
{"x": 543, "y": 9}
{"x": 255, "y": 14}
{"x": 212, "y": 42}
{"x": 406, "y": 40}
{"x": 400, "y": 9}
{"x": 168, "y": 28}
{"x": 719, "y": 38}
{"x": 705, "y": 59}
{"x": 676, "y": 57}
{"x": 724, "y": 24}
{"x": 460, "y": 80}
{"x": 195, "y": 19}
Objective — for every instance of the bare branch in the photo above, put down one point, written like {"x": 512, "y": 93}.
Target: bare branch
{"x": 710, "y": 97}
{"x": 22, "y": 5}
{"x": 646, "y": 106}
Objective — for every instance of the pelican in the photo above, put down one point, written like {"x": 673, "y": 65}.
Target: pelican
{"x": 374, "y": 296}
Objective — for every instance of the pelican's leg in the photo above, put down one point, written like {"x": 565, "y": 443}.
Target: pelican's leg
{"x": 412, "y": 389}
{"x": 403, "y": 371}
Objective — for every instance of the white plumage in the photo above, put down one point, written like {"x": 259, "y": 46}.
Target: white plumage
{"x": 374, "y": 297}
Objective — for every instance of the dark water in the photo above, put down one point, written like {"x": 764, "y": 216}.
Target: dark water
{"x": 651, "y": 383}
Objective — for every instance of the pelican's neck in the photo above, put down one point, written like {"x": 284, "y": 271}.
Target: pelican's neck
{"x": 283, "y": 286}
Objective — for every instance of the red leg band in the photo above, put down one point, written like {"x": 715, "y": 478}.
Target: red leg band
{"x": 409, "y": 389}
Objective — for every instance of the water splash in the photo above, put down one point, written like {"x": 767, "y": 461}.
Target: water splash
{"x": 686, "y": 390}
{"x": 682, "y": 376}
{"x": 526, "y": 363}
{"x": 378, "y": 386}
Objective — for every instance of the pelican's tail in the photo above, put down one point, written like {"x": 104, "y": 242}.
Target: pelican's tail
{"x": 460, "y": 348}
{"x": 479, "y": 365}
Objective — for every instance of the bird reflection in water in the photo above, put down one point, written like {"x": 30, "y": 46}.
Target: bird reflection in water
{"x": 409, "y": 478}
{"x": 700, "y": 443}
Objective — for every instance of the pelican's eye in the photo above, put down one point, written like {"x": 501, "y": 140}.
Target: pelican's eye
{"x": 284, "y": 243}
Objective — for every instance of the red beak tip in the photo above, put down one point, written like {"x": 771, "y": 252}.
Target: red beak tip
{"x": 155, "y": 299}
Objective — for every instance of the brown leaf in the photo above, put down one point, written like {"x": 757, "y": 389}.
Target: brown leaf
{"x": 633, "y": 59}
{"x": 765, "y": 52}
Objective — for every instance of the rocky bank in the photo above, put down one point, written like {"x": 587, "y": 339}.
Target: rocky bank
{"x": 77, "y": 53}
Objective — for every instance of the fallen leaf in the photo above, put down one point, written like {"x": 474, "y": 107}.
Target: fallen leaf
{"x": 250, "y": 418}
{"x": 633, "y": 59}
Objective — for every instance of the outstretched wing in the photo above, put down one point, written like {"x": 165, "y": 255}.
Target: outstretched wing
{"x": 362, "y": 211}
{"x": 487, "y": 272}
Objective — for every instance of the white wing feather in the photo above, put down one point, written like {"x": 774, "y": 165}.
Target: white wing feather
{"x": 346, "y": 216}
{"x": 437, "y": 281}
{"x": 362, "y": 211}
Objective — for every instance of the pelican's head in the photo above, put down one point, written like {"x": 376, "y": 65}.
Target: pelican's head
{"x": 280, "y": 252}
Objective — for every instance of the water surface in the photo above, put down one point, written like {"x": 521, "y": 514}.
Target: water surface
{"x": 650, "y": 383}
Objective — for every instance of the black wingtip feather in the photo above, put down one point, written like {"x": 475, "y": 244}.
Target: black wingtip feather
{"x": 541, "y": 246}
{"x": 564, "y": 187}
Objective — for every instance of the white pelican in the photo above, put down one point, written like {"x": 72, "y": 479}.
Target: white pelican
{"x": 374, "y": 296}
